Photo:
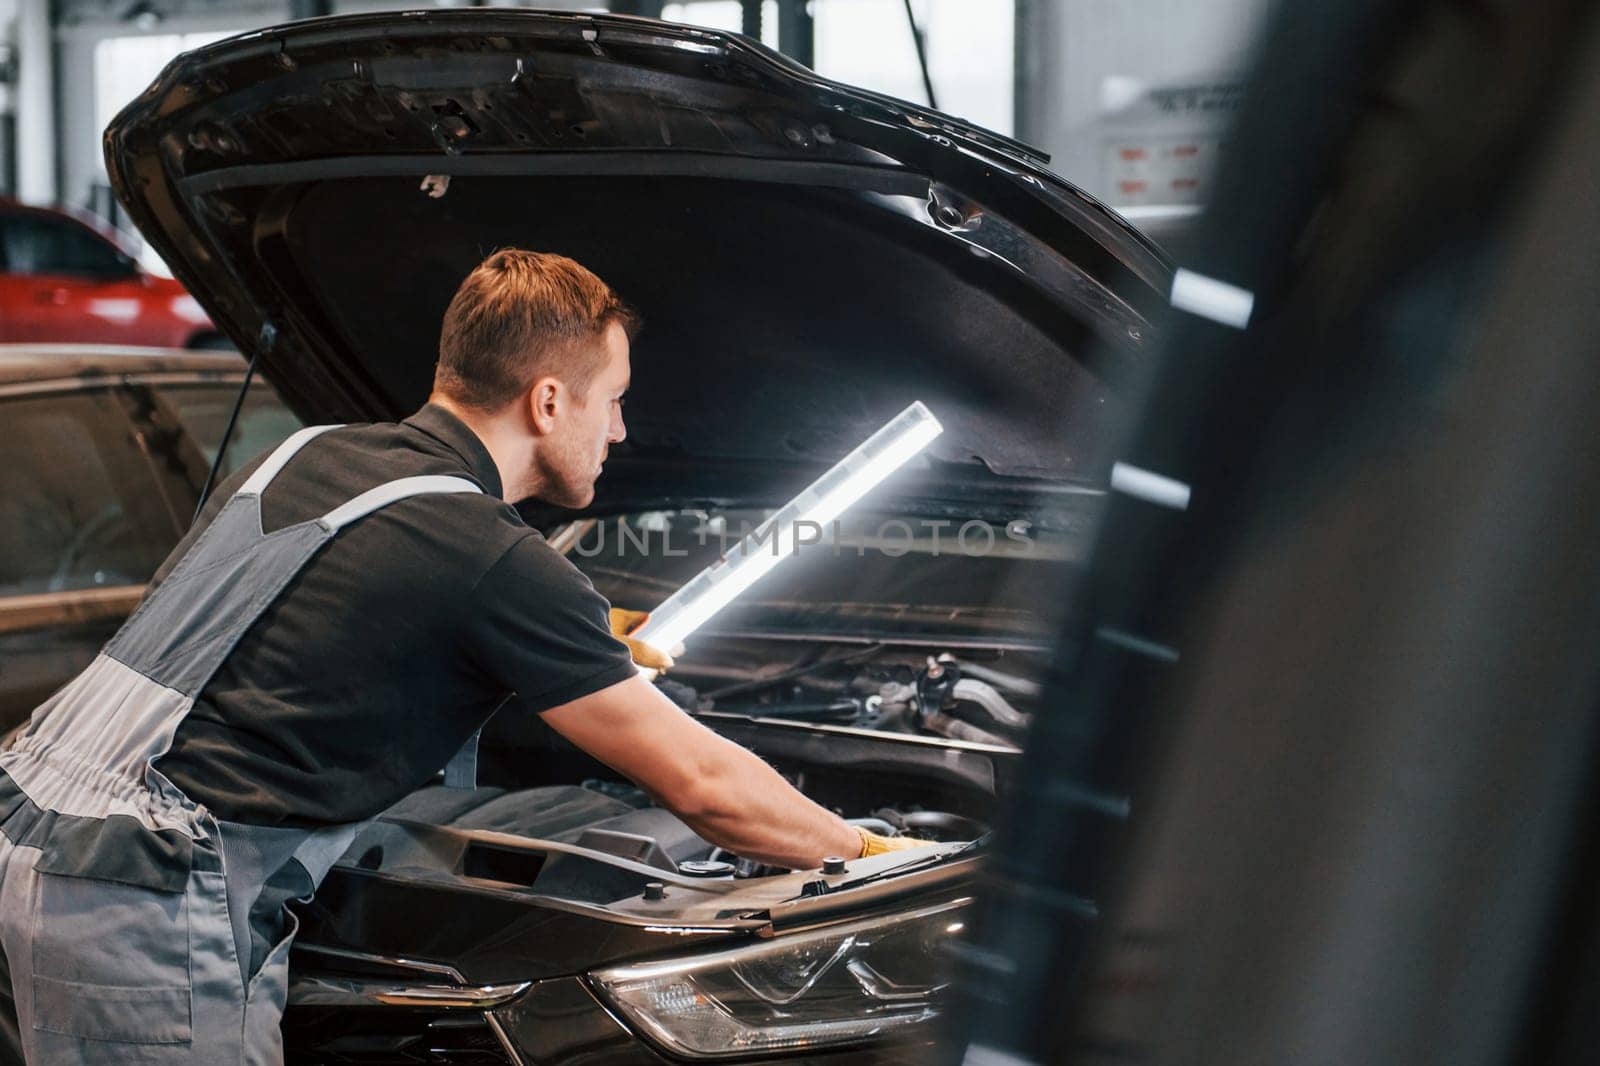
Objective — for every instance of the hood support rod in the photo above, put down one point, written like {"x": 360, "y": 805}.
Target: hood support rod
{"x": 227, "y": 435}
{"x": 922, "y": 55}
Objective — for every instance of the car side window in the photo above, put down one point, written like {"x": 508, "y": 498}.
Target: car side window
{"x": 39, "y": 244}
{"x": 202, "y": 411}
{"x": 78, "y": 506}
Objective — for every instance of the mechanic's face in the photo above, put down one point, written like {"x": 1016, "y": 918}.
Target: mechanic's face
{"x": 572, "y": 456}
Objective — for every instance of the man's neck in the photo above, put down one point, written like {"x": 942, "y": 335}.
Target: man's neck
{"x": 507, "y": 443}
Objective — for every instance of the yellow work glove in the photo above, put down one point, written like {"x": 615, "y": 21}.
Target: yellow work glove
{"x": 625, "y": 622}
{"x": 873, "y": 844}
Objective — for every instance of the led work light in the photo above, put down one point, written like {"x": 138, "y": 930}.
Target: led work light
{"x": 774, "y": 540}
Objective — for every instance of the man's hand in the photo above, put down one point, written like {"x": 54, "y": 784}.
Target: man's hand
{"x": 652, "y": 658}
{"x": 726, "y": 794}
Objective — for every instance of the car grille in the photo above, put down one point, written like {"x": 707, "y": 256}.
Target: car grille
{"x": 393, "y": 1038}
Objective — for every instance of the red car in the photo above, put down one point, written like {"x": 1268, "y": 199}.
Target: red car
{"x": 63, "y": 279}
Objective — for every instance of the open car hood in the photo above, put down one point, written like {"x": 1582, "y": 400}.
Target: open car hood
{"x": 808, "y": 258}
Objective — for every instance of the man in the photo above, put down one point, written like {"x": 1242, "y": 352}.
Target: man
{"x": 348, "y": 612}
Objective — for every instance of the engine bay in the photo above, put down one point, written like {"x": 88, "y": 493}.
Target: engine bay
{"x": 897, "y": 741}
{"x": 978, "y": 695}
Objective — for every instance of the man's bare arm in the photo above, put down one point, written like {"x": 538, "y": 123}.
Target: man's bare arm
{"x": 726, "y": 793}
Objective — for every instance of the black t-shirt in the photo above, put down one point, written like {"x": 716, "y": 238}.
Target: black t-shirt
{"x": 394, "y": 643}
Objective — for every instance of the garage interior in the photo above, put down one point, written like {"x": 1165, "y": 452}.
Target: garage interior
{"x": 1206, "y": 667}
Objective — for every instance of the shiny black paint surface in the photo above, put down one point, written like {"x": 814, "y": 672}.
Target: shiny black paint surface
{"x": 489, "y": 933}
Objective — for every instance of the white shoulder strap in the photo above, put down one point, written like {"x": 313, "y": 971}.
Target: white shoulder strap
{"x": 280, "y": 456}
{"x": 392, "y": 492}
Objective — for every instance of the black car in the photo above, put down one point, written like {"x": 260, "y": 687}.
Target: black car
{"x": 808, "y": 259}
{"x": 102, "y": 460}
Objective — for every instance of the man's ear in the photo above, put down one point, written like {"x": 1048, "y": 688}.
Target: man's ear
{"x": 544, "y": 400}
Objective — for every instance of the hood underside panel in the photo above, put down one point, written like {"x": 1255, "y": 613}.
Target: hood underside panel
{"x": 780, "y": 322}
{"x": 808, "y": 258}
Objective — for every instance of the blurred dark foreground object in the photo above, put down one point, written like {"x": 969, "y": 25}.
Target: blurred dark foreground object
{"x": 1321, "y": 785}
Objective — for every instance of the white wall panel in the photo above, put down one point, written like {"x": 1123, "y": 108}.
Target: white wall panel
{"x": 1098, "y": 73}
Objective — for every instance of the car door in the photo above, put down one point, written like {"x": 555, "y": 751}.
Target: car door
{"x": 84, "y": 522}
{"x": 97, "y": 484}
{"x": 64, "y": 283}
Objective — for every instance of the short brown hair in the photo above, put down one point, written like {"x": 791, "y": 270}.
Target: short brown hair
{"x": 519, "y": 316}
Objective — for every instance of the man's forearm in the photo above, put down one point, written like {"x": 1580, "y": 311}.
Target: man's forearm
{"x": 747, "y": 807}
{"x": 727, "y": 794}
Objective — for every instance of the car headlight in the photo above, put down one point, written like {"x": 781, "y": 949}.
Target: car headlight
{"x": 840, "y": 985}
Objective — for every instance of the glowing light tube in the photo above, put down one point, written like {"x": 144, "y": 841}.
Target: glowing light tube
{"x": 774, "y": 540}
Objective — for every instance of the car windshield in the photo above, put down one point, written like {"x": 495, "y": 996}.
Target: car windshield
{"x": 204, "y": 409}
{"x": 873, "y": 575}
{"x": 39, "y": 244}
{"x": 79, "y": 508}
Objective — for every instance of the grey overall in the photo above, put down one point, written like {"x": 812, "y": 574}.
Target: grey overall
{"x": 136, "y": 926}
